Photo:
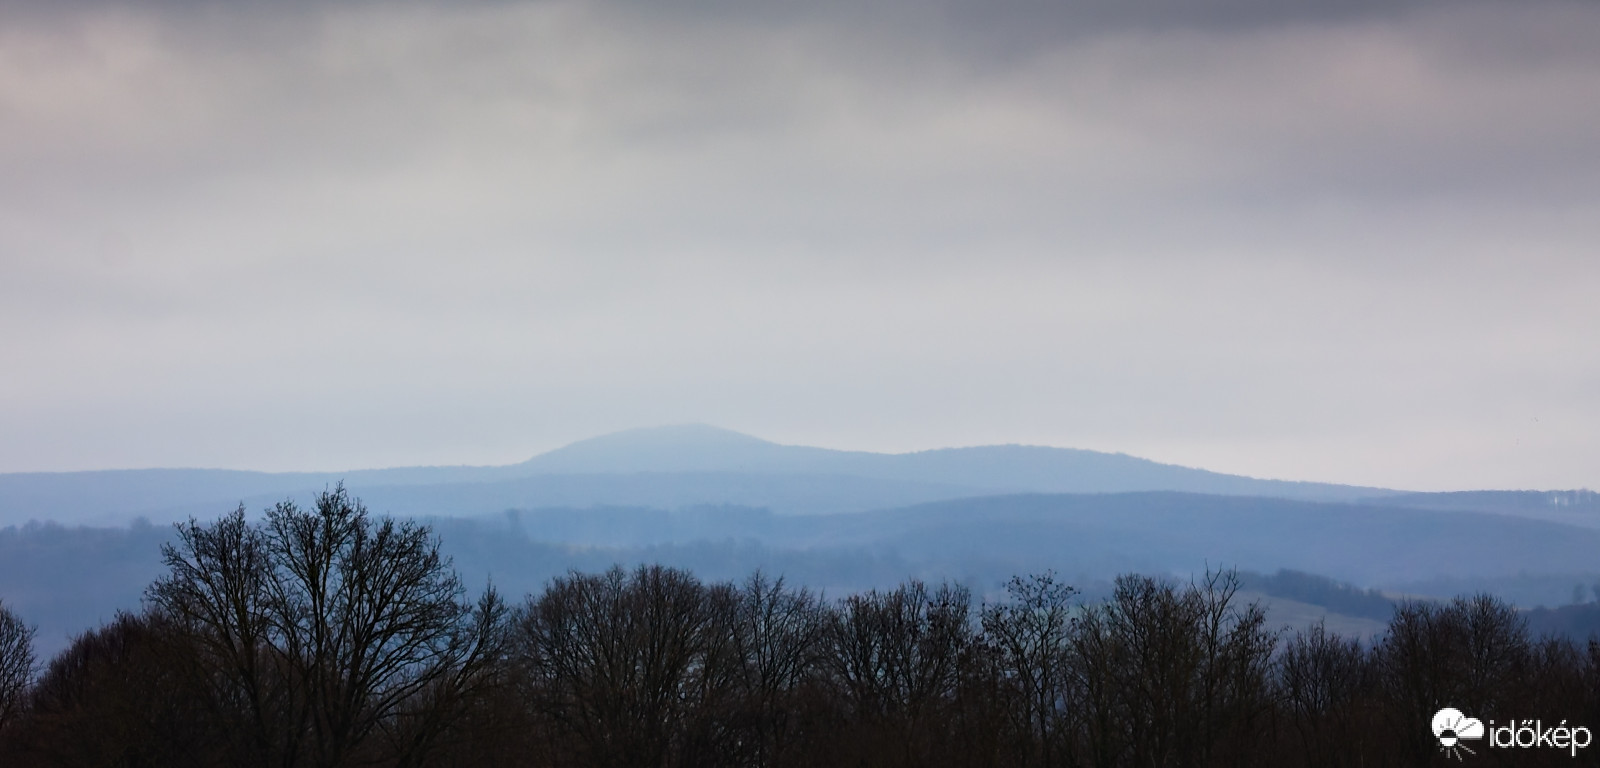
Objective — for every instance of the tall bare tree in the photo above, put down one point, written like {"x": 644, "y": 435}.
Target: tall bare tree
{"x": 334, "y": 637}
{"x": 16, "y": 663}
{"x": 897, "y": 657}
{"x": 781, "y": 635}
{"x": 1321, "y": 681}
{"x": 1030, "y": 634}
{"x": 1469, "y": 653}
{"x": 1173, "y": 676}
{"x": 611, "y": 659}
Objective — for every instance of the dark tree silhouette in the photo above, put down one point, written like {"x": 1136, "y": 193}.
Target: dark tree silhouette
{"x": 124, "y": 694}
{"x": 612, "y": 658}
{"x": 1471, "y": 653}
{"x": 1323, "y": 680}
{"x": 897, "y": 660}
{"x": 332, "y": 638}
{"x": 1029, "y": 633}
{"x": 1173, "y": 676}
{"x": 16, "y": 663}
{"x": 324, "y": 637}
{"x": 781, "y": 636}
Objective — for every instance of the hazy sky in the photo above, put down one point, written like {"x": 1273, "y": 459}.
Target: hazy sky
{"x": 1258, "y": 237}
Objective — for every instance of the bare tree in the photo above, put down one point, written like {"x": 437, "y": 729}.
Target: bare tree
{"x": 897, "y": 657}
{"x": 612, "y": 659}
{"x": 1322, "y": 678}
{"x": 16, "y": 663}
{"x": 1234, "y": 690}
{"x": 1470, "y": 653}
{"x": 1098, "y": 659}
{"x": 217, "y": 592}
{"x": 782, "y": 636}
{"x": 1169, "y": 675}
{"x": 329, "y": 629}
{"x": 127, "y": 694}
{"x": 1030, "y": 634}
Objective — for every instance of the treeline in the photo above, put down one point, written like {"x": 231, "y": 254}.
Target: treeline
{"x": 1310, "y": 588}
{"x": 324, "y": 637}
{"x": 1566, "y": 621}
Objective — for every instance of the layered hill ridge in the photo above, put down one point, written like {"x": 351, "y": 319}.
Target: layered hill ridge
{"x": 723, "y": 503}
{"x": 661, "y": 466}
{"x": 696, "y": 464}
{"x": 995, "y": 468}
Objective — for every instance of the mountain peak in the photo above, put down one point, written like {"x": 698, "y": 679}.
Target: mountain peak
{"x": 672, "y": 448}
{"x": 671, "y": 435}
{"x": 983, "y": 469}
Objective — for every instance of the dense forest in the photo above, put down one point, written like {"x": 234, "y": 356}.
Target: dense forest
{"x": 325, "y": 636}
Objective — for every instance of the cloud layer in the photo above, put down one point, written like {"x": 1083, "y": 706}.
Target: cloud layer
{"x": 1259, "y": 238}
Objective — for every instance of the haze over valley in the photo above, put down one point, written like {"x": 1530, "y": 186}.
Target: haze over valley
{"x": 724, "y": 504}
{"x": 953, "y": 351}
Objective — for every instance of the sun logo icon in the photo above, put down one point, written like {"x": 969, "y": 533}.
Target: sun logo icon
{"x": 1451, "y": 727}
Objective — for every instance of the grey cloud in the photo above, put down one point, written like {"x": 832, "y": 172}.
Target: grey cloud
{"x": 1349, "y": 244}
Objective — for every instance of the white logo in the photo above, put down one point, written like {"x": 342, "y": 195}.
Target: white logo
{"x": 1451, "y": 727}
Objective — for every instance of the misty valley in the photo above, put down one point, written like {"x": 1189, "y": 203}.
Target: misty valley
{"x": 692, "y": 596}
{"x": 324, "y": 327}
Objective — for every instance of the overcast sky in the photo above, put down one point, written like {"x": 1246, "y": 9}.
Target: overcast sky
{"x": 1257, "y": 237}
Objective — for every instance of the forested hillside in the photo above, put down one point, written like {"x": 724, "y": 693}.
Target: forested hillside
{"x": 70, "y": 578}
{"x": 326, "y": 636}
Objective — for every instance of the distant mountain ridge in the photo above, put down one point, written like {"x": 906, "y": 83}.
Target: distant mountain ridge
{"x": 1577, "y": 507}
{"x": 724, "y": 503}
{"x": 673, "y": 466}
{"x": 680, "y": 461}
{"x": 1016, "y": 468}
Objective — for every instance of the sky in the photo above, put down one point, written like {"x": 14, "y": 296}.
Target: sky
{"x": 1346, "y": 242}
